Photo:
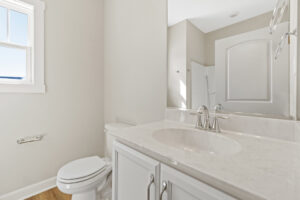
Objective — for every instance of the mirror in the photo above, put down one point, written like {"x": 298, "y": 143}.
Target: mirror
{"x": 225, "y": 52}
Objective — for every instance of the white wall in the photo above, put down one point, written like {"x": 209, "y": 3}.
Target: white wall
{"x": 185, "y": 44}
{"x": 195, "y": 44}
{"x": 135, "y": 60}
{"x": 177, "y": 61}
{"x": 71, "y": 112}
{"x": 196, "y": 52}
{"x": 295, "y": 12}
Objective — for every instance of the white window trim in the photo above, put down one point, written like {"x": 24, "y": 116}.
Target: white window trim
{"x": 37, "y": 85}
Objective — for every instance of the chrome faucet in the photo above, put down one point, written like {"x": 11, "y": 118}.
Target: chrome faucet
{"x": 215, "y": 125}
{"x": 205, "y": 112}
{"x": 199, "y": 123}
{"x": 204, "y": 124}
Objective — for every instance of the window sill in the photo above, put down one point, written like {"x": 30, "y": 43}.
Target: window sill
{"x": 23, "y": 88}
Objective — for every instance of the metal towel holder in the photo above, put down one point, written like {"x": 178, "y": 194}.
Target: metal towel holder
{"x": 282, "y": 42}
{"x": 278, "y": 13}
{"x": 29, "y": 139}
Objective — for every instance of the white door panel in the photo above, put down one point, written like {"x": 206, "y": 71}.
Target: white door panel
{"x": 246, "y": 62}
{"x": 248, "y": 79}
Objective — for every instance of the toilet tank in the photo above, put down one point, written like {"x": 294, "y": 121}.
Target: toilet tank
{"x": 109, "y": 139}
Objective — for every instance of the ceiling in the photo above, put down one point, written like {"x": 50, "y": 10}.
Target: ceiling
{"x": 210, "y": 15}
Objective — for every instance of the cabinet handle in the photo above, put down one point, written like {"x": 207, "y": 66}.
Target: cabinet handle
{"x": 164, "y": 188}
{"x": 149, "y": 186}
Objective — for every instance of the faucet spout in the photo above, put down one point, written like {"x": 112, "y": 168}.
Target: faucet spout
{"x": 206, "y": 123}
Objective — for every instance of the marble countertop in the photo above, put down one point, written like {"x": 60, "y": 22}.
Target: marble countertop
{"x": 264, "y": 168}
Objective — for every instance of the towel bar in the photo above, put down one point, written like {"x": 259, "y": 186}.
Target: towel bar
{"x": 30, "y": 139}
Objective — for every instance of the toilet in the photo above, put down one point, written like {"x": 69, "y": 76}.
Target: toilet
{"x": 89, "y": 178}
{"x": 84, "y": 178}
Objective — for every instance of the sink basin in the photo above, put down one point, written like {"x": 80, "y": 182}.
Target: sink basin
{"x": 197, "y": 141}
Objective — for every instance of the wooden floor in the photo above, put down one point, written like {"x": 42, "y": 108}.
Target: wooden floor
{"x": 53, "y": 194}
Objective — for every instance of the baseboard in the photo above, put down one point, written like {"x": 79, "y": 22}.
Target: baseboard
{"x": 30, "y": 190}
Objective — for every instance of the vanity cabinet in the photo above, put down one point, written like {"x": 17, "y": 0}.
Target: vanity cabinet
{"x": 135, "y": 176}
{"x": 133, "y": 173}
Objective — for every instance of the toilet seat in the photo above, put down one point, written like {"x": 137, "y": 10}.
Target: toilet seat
{"x": 81, "y": 169}
{"x": 83, "y": 174}
{"x": 77, "y": 180}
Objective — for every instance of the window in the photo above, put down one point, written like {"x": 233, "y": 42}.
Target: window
{"x": 22, "y": 46}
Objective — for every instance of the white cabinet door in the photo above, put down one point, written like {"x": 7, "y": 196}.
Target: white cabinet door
{"x": 132, "y": 173}
{"x": 183, "y": 187}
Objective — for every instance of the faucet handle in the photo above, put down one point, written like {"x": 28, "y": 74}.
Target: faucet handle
{"x": 218, "y": 107}
{"x": 199, "y": 114}
{"x": 215, "y": 125}
{"x": 200, "y": 111}
{"x": 203, "y": 109}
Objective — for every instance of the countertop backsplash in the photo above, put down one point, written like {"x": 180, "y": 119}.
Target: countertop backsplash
{"x": 282, "y": 129}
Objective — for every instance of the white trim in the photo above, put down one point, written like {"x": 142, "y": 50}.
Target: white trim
{"x": 17, "y": 5}
{"x": 12, "y": 45}
{"x": 30, "y": 190}
{"x": 294, "y": 59}
{"x": 22, "y": 88}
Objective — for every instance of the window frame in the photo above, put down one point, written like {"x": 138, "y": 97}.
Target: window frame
{"x": 34, "y": 82}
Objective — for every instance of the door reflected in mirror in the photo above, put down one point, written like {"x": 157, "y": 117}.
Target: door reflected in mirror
{"x": 234, "y": 53}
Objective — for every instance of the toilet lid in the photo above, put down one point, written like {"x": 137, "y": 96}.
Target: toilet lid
{"x": 81, "y": 168}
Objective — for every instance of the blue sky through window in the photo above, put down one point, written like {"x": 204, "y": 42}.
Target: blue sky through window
{"x": 18, "y": 28}
{"x": 3, "y": 23}
{"x": 13, "y": 60}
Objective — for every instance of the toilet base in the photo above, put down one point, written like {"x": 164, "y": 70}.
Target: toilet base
{"x": 89, "y": 195}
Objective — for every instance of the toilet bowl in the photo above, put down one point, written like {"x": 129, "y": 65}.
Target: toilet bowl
{"x": 90, "y": 178}
{"x": 85, "y": 178}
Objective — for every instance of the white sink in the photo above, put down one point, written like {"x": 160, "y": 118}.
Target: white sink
{"x": 197, "y": 141}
